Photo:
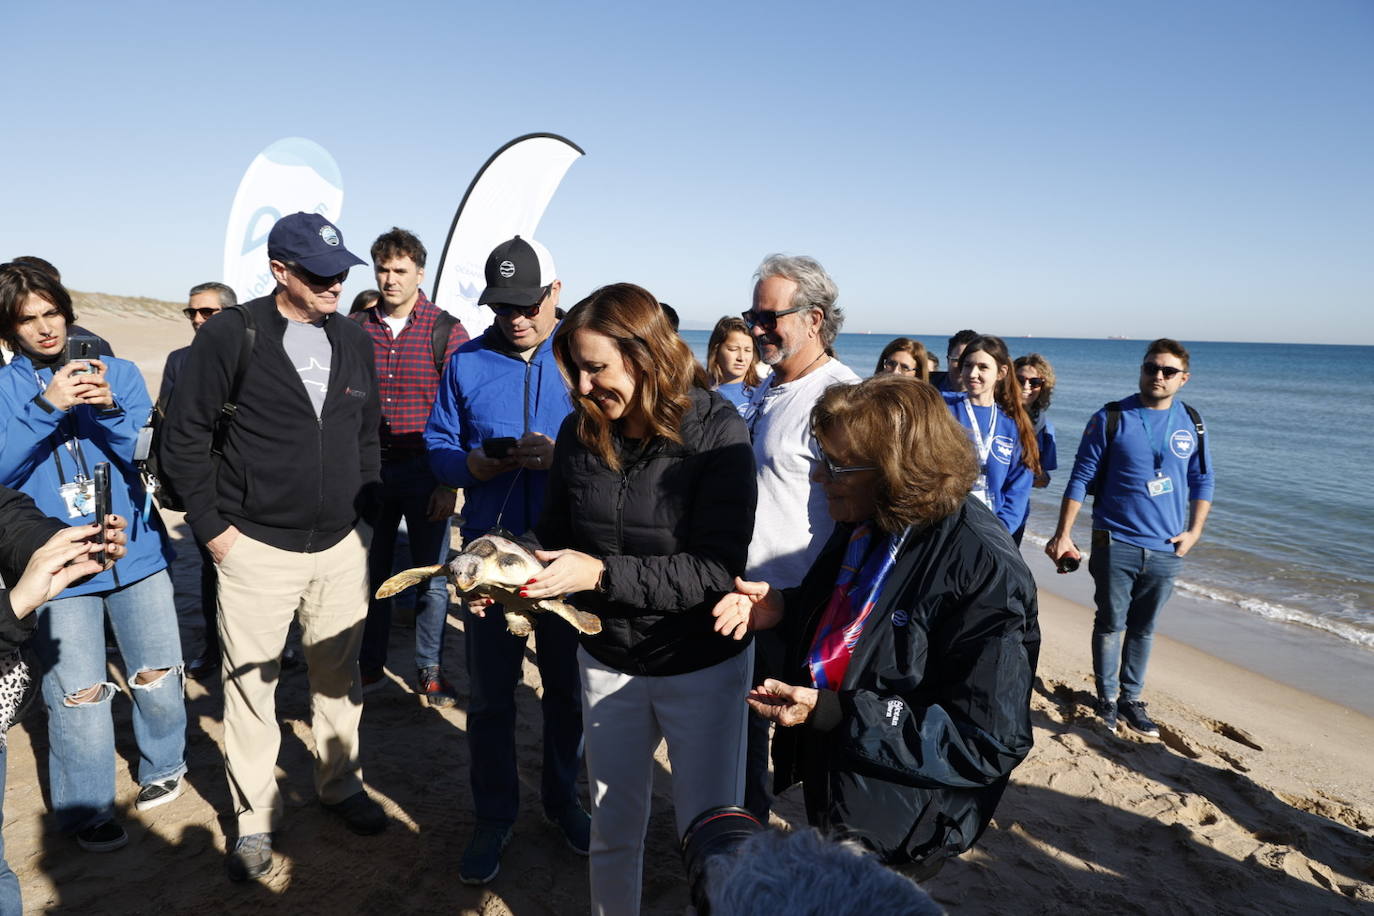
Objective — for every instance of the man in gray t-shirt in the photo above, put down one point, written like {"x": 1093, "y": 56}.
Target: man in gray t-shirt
{"x": 794, "y": 321}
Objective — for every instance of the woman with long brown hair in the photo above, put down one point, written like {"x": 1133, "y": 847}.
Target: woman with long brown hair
{"x": 649, "y": 513}
{"x": 1035, "y": 380}
{"x": 911, "y": 643}
{"x": 732, "y": 361}
{"x": 990, "y": 408}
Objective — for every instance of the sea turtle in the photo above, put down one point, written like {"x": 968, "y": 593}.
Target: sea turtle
{"x": 496, "y": 567}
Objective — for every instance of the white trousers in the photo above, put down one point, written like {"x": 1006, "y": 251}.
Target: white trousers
{"x": 701, "y": 714}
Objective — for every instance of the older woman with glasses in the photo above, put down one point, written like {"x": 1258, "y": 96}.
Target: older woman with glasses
{"x": 650, "y": 505}
{"x": 904, "y": 356}
{"x": 912, "y": 642}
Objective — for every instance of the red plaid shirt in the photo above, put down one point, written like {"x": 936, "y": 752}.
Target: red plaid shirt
{"x": 406, "y": 378}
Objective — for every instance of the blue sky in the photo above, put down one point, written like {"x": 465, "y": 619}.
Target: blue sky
{"x": 1202, "y": 170}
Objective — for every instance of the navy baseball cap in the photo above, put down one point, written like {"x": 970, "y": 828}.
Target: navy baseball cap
{"x": 517, "y": 273}
{"x": 311, "y": 241}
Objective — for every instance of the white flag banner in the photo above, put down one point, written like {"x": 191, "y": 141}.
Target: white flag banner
{"x": 294, "y": 174}
{"x": 507, "y": 198}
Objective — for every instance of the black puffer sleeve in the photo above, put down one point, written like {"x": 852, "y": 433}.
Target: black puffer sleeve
{"x": 719, "y": 524}
{"x": 23, "y": 529}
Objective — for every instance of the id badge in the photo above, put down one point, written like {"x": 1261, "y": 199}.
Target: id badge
{"x": 980, "y": 490}
{"x": 79, "y": 497}
{"x": 1160, "y": 485}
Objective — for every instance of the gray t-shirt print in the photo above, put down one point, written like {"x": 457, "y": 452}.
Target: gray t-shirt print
{"x": 308, "y": 348}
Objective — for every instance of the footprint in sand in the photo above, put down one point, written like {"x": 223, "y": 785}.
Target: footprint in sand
{"x": 1238, "y": 735}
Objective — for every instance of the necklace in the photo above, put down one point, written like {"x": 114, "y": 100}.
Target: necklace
{"x": 808, "y": 367}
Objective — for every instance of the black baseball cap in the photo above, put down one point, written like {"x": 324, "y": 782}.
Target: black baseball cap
{"x": 311, "y": 241}
{"x": 517, "y": 273}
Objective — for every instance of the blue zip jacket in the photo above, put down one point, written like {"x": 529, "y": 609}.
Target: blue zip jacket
{"x": 1009, "y": 480}
{"x": 1123, "y": 504}
{"x": 35, "y": 426}
{"x": 489, "y": 391}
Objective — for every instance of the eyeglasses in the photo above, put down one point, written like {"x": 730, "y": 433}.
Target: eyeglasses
{"x": 207, "y": 314}
{"x": 1033, "y": 382}
{"x": 768, "y": 320}
{"x": 314, "y": 279}
{"x": 891, "y": 365}
{"x": 524, "y": 311}
{"x": 835, "y": 471}
{"x": 1155, "y": 368}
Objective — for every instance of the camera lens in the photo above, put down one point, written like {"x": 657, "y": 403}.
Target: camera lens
{"x": 715, "y": 832}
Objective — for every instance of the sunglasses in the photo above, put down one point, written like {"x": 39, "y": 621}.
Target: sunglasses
{"x": 891, "y": 365}
{"x": 768, "y": 320}
{"x": 314, "y": 279}
{"x": 1152, "y": 369}
{"x": 524, "y": 311}
{"x": 207, "y": 314}
{"x": 835, "y": 471}
{"x": 1033, "y": 382}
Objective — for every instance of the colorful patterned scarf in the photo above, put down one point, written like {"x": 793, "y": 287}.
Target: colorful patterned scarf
{"x": 865, "y": 569}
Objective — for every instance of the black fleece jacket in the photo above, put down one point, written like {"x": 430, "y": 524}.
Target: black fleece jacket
{"x": 287, "y": 478}
{"x": 23, "y": 529}
{"x": 673, "y": 528}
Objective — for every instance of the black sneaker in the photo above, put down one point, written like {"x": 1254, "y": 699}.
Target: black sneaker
{"x": 159, "y": 793}
{"x": 576, "y": 827}
{"x": 106, "y": 837}
{"x": 204, "y": 667}
{"x": 363, "y": 815}
{"x": 1133, "y": 712}
{"x": 251, "y": 857}
{"x": 1106, "y": 711}
{"x": 437, "y": 692}
{"x": 482, "y": 861}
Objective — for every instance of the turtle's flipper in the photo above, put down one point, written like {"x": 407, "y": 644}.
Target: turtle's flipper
{"x": 581, "y": 621}
{"x": 519, "y": 623}
{"x": 404, "y": 580}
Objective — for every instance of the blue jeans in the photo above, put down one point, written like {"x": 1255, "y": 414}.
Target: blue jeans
{"x": 494, "y": 658}
{"x": 1132, "y": 586}
{"x": 70, "y": 645}
{"x": 10, "y": 902}
{"x": 406, "y": 487}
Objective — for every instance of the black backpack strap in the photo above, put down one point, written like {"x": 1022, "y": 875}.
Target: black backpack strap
{"x": 439, "y": 336}
{"x": 1201, "y": 435}
{"x": 231, "y": 403}
{"x": 1113, "y": 409}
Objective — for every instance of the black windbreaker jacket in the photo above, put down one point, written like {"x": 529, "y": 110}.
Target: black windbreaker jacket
{"x": 288, "y": 478}
{"x": 913, "y": 753}
{"x": 673, "y": 528}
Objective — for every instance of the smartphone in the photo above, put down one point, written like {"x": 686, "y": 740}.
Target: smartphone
{"x": 102, "y": 506}
{"x": 498, "y": 446}
{"x": 82, "y": 347}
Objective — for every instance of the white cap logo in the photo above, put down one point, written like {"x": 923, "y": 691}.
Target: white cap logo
{"x": 507, "y": 269}
{"x": 329, "y": 236}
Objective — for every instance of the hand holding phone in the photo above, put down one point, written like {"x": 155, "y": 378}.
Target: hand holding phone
{"x": 498, "y": 446}
{"x": 102, "y": 507}
{"x": 82, "y": 347}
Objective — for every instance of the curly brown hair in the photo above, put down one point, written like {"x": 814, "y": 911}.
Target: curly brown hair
{"x": 1044, "y": 370}
{"x": 902, "y": 426}
{"x": 663, "y": 365}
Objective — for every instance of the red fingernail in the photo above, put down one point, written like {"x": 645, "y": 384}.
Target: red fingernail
{"x": 523, "y": 594}
{"x": 529, "y": 581}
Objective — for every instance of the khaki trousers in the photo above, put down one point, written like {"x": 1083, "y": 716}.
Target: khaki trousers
{"x": 261, "y": 589}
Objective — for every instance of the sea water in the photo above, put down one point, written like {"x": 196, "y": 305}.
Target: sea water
{"x": 1290, "y": 430}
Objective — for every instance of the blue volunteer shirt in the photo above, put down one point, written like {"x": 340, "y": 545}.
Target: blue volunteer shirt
{"x": 1123, "y": 504}
{"x": 1009, "y": 480}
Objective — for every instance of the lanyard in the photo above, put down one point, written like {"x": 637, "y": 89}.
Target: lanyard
{"x": 984, "y": 446}
{"x": 72, "y": 445}
{"x": 1153, "y": 433}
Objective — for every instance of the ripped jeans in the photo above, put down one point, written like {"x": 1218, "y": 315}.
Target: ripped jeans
{"x": 70, "y": 645}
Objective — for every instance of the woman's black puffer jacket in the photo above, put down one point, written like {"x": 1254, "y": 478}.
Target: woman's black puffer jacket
{"x": 673, "y": 528}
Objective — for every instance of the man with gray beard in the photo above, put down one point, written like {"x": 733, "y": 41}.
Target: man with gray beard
{"x": 794, "y": 322}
